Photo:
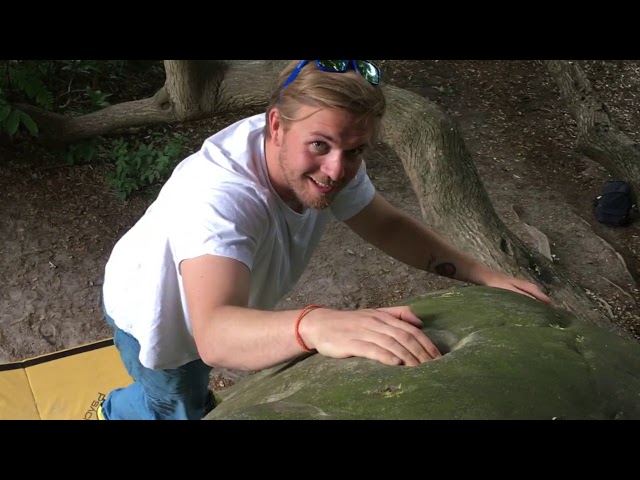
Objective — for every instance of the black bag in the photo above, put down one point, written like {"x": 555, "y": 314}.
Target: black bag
{"x": 614, "y": 206}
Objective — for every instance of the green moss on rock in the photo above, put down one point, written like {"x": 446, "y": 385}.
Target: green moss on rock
{"x": 506, "y": 357}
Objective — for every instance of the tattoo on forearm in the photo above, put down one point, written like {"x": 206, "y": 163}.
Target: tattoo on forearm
{"x": 446, "y": 270}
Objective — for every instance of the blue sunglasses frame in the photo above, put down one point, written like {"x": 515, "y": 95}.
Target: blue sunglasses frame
{"x": 334, "y": 69}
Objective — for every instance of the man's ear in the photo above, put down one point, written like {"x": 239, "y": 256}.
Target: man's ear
{"x": 275, "y": 126}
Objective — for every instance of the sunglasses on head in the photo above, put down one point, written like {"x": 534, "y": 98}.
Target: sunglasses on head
{"x": 364, "y": 67}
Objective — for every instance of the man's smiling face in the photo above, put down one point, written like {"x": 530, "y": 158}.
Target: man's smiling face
{"x": 317, "y": 155}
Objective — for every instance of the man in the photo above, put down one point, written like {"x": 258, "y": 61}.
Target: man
{"x": 192, "y": 285}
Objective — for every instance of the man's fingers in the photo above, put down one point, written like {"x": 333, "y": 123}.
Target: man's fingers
{"x": 403, "y": 313}
{"x": 430, "y": 347}
{"x": 376, "y": 353}
{"x": 425, "y": 343}
{"x": 411, "y": 324}
{"x": 386, "y": 350}
{"x": 533, "y": 291}
{"x": 537, "y": 293}
{"x": 390, "y": 335}
{"x": 400, "y": 337}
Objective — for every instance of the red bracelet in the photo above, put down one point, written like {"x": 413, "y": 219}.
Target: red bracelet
{"x": 304, "y": 311}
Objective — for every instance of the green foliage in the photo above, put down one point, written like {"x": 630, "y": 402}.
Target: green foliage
{"x": 27, "y": 77}
{"x": 11, "y": 118}
{"x": 139, "y": 165}
{"x": 59, "y": 86}
{"x": 76, "y": 87}
{"x": 97, "y": 99}
{"x": 83, "y": 152}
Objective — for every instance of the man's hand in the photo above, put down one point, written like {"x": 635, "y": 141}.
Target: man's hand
{"x": 517, "y": 285}
{"x": 391, "y": 336}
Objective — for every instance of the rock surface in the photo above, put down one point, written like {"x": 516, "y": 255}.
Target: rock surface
{"x": 506, "y": 356}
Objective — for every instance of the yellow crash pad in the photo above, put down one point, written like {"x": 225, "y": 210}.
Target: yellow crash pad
{"x": 64, "y": 385}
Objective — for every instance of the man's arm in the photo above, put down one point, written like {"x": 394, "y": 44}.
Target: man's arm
{"x": 409, "y": 241}
{"x": 228, "y": 334}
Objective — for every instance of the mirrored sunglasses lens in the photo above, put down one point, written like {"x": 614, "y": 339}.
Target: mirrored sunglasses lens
{"x": 369, "y": 71}
{"x": 333, "y": 65}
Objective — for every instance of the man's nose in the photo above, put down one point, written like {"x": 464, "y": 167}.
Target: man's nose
{"x": 333, "y": 165}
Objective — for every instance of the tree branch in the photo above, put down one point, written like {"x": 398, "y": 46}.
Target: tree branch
{"x": 598, "y": 137}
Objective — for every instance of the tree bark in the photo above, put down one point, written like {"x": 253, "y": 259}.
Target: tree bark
{"x": 598, "y": 137}
{"x": 60, "y": 129}
{"x": 200, "y": 89}
{"x": 455, "y": 203}
{"x": 193, "y": 90}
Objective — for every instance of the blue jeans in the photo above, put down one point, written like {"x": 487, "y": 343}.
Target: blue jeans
{"x": 176, "y": 394}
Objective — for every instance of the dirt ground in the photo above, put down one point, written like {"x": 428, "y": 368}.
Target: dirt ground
{"x": 58, "y": 223}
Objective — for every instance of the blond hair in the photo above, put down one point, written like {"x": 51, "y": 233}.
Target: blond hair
{"x": 348, "y": 91}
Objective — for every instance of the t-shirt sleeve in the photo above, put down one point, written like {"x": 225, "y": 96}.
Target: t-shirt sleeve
{"x": 354, "y": 197}
{"x": 225, "y": 224}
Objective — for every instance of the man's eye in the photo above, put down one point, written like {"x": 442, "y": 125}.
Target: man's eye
{"x": 356, "y": 152}
{"x": 320, "y": 145}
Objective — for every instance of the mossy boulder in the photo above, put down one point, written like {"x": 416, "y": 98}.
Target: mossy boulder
{"x": 506, "y": 356}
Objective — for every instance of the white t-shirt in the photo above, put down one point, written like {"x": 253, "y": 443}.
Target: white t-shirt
{"x": 218, "y": 201}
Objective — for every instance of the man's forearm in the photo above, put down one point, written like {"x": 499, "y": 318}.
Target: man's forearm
{"x": 248, "y": 339}
{"x": 412, "y": 243}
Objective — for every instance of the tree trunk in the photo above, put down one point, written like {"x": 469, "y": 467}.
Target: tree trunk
{"x": 200, "y": 89}
{"x": 192, "y": 90}
{"x": 598, "y": 137}
{"x": 454, "y": 202}
{"x": 56, "y": 129}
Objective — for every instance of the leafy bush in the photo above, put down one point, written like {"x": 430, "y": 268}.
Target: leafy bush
{"x": 59, "y": 86}
{"x": 71, "y": 87}
{"x": 11, "y": 118}
{"x": 139, "y": 165}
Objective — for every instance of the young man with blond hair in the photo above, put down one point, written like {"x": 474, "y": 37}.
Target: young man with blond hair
{"x": 193, "y": 284}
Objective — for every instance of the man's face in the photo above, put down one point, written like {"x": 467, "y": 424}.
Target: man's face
{"x": 319, "y": 155}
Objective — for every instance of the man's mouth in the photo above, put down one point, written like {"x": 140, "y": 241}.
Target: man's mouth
{"x": 322, "y": 187}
